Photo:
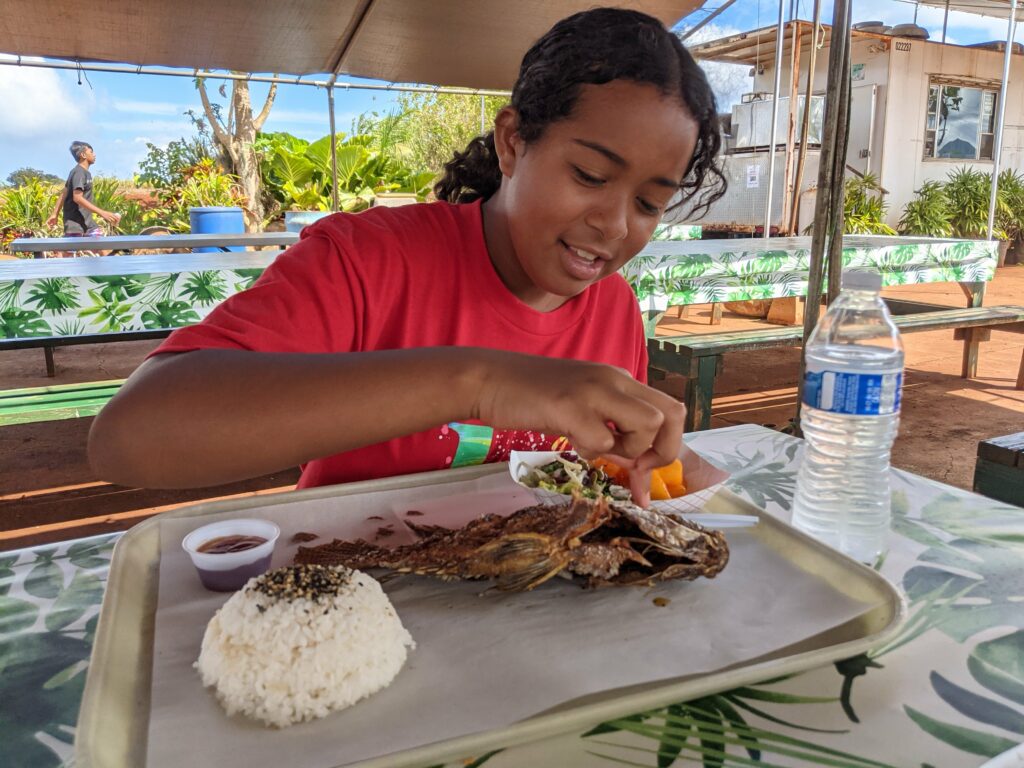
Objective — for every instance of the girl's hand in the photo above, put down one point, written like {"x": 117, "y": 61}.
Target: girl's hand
{"x": 52, "y": 221}
{"x": 601, "y": 409}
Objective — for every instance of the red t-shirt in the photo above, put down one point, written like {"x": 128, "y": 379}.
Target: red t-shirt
{"x": 414, "y": 276}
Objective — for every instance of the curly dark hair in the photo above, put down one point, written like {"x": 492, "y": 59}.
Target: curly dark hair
{"x": 595, "y": 47}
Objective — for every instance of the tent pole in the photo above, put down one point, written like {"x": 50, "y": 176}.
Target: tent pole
{"x": 780, "y": 40}
{"x": 945, "y": 23}
{"x": 834, "y": 259}
{"x": 805, "y": 130}
{"x": 826, "y": 218}
{"x": 788, "y": 195}
{"x": 1000, "y": 120}
{"x": 706, "y": 20}
{"x": 334, "y": 147}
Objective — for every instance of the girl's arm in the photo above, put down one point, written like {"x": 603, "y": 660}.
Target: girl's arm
{"x": 214, "y": 416}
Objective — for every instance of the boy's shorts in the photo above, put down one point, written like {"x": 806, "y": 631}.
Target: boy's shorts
{"x": 91, "y": 232}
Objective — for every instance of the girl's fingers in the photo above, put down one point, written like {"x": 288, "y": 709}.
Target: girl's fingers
{"x": 640, "y": 487}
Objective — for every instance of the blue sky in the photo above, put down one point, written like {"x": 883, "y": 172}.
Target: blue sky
{"x": 45, "y": 110}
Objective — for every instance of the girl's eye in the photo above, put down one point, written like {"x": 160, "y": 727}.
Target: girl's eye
{"x": 648, "y": 208}
{"x": 586, "y": 178}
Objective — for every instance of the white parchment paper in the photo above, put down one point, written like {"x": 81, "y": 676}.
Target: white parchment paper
{"x": 482, "y": 660}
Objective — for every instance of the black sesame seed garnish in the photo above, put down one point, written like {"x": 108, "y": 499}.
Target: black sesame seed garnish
{"x": 309, "y": 582}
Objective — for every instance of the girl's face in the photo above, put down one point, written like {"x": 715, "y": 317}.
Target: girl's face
{"x": 582, "y": 200}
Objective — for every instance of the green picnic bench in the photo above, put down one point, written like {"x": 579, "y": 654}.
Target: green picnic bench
{"x": 48, "y": 343}
{"x": 698, "y": 357}
{"x": 64, "y": 401}
{"x": 999, "y": 470}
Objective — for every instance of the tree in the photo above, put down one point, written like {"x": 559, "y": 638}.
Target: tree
{"x": 236, "y": 135}
{"x": 435, "y": 125}
{"x": 22, "y": 176}
{"x": 163, "y": 167}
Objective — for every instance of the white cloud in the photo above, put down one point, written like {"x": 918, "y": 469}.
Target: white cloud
{"x": 39, "y": 105}
{"x": 148, "y": 107}
{"x": 728, "y": 81}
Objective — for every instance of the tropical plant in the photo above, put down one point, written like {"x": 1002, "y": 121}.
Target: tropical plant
{"x": 203, "y": 184}
{"x": 110, "y": 195}
{"x": 300, "y": 175}
{"x": 1010, "y": 205}
{"x": 967, "y": 192}
{"x": 436, "y": 125}
{"x": 927, "y": 214}
{"x": 864, "y": 207}
{"x": 165, "y": 167}
{"x": 25, "y": 209}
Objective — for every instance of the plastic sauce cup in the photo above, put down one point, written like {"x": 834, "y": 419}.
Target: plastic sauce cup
{"x": 228, "y": 571}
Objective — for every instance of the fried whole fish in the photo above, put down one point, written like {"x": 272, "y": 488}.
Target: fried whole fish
{"x": 605, "y": 544}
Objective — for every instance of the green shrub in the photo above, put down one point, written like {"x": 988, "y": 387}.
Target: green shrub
{"x": 864, "y": 207}
{"x": 928, "y": 214}
{"x": 204, "y": 184}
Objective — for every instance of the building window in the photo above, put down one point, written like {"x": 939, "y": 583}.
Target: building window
{"x": 961, "y": 123}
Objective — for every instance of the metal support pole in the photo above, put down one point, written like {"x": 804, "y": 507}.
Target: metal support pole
{"x": 706, "y": 20}
{"x": 945, "y": 23}
{"x": 780, "y": 33}
{"x": 997, "y": 153}
{"x": 483, "y": 116}
{"x": 805, "y": 129}
{"x": 828, "y": 212}
{"x": 334, "y": 149}
{"x": 837, "y": 218}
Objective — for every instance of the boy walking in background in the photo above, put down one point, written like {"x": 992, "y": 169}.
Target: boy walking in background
{"x": 76, "y": 199}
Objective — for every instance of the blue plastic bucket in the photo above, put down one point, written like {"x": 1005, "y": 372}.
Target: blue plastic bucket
{"x": 215, "y": 220}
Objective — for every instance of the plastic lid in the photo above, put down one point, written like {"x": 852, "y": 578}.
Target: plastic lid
{"x": 862, "y": 280}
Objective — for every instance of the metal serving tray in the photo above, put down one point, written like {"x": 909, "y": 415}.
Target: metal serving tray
{"x": 114, "y": 720}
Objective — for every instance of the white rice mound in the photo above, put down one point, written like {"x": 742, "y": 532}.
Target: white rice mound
{"x": 277, "y": 655}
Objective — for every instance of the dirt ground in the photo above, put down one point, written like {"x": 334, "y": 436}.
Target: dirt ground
{"x": 48, "y": 493}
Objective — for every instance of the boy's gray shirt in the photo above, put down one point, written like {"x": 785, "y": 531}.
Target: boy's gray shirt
{"x": 77, "y": 219}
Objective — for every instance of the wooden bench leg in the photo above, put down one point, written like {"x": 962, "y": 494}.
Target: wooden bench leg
{"x": 972, "y": 338}
{"x": 51, "y": 370}
{"x": 699, "y": 391}
{"x": 1020, "y": 373}
{"x": 716, "y": 313}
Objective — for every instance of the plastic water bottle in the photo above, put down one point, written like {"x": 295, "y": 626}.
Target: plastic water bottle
{"x": 849, "y": 417}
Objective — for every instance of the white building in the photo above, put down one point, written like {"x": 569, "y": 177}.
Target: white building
{"x": 919, "y": 110}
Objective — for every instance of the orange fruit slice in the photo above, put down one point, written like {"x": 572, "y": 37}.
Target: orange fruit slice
{"x": 659, "y": 490}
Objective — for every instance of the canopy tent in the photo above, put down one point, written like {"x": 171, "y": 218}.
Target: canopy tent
{"x": 472, "y": 43}
{"x": 997, "y": 8}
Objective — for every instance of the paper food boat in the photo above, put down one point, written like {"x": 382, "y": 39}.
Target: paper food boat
{"x": 702, "y": 479}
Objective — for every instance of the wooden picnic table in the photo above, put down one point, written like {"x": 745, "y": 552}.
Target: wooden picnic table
{"x": 40, "y": 245}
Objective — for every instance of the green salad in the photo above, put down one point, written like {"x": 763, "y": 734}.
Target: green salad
{"x": 570, "y": 473}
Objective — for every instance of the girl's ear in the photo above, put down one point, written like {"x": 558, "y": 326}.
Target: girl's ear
{"x": 507, "y": 143}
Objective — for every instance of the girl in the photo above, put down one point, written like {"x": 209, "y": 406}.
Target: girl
{"x": 410, "y": 339}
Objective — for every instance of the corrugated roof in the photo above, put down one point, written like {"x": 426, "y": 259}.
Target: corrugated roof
{"x": 758, "y": 46}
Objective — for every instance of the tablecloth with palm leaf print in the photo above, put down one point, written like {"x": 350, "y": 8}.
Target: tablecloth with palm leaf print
{"x": 84, "y": 296}
{"x": 109, "y": 294}
{"x": 947, "y": 691}
{"x": 673, "y": 273}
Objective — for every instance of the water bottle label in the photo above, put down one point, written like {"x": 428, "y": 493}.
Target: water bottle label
{"x": 854, "y": 394}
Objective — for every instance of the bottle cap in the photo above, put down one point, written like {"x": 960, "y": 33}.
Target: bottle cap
{"x": 862, "y": 280}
